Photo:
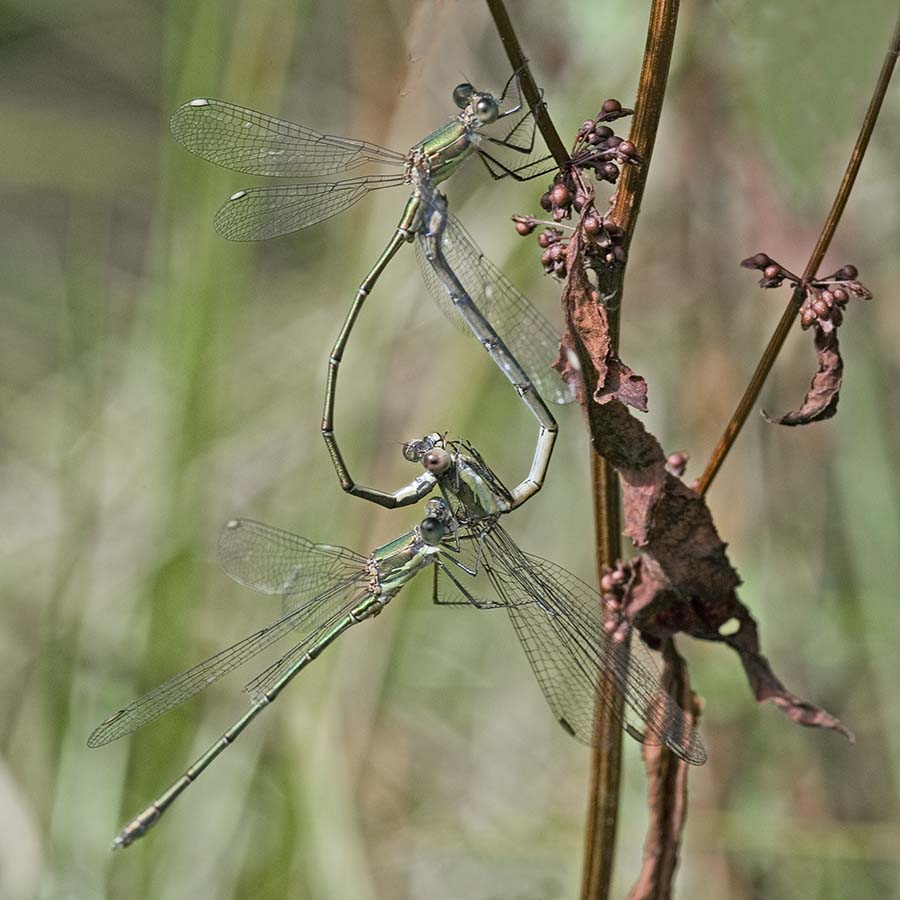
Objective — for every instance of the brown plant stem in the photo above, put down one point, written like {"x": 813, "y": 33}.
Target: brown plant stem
{"x": 603, "y": 798}
{"x": 767, "y": 360}
{"x": 532, "y": 95}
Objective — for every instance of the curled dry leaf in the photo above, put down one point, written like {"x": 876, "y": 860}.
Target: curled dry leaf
{"x": 667, "y": 790}
{"x": 821, "y": 399}
{"x": 682, "y": 579}
{"x": 822, "y": 308}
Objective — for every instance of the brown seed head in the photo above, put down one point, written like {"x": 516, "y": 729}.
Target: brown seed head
{"x": 524, "y": 227}
{"x": 560, "y": 195}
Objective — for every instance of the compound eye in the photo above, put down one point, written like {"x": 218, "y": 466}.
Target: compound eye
{"x": 486, "y": 110}
{"x": 432, "y": 531}
{"x": 462, "y": 94}
{"x": 437, "y": 461}
{"x": 414, "y": 450}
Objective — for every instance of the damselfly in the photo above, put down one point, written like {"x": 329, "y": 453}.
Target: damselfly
{"x": 254, "y": 143}
{"x": 328, "y": 589}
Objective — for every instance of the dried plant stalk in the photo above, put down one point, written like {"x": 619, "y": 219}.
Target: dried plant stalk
{"x": 770, "y": 354}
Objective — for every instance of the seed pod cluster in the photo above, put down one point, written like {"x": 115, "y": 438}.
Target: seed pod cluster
{"x": 825, "y": 299}
{"x": 613, "y": 587}
{"x": 599, "y": 150}
{"x": 773, "y": 274}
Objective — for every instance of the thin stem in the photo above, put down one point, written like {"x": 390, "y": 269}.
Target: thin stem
{"x": 603, "y": 804}
{"x": 751, "y": 394}
{"x": 603, "y": 800}
{"x": 532, "y": 95}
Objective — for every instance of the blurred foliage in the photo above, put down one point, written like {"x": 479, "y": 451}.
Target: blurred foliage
{"x": 156, "y": 380}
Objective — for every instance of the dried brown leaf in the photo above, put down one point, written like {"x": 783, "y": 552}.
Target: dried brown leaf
{"x": 667, "y": 790}
{"x": 613, "y": 379}
{"x": 821, "y": 399}
{"x": 682, "y": 580}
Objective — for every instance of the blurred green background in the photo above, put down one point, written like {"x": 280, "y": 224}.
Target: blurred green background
{"x": 157, "y": 380}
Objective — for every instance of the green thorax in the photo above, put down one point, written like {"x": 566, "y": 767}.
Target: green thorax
{"x": 464, "y": 483}
{"x": 401, "y": 560}
{"x": 445, "y": 148}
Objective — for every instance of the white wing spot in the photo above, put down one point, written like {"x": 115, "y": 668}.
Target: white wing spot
{"x": 199, "y": 103}
{"x": 237, "y": 195}
{"x": 233, "y": 523}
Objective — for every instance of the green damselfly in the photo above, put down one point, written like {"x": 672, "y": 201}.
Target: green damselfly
{"x": 583, "y": 671}
{"x": 469, "y": 289}
{"x": 328, "y": 589}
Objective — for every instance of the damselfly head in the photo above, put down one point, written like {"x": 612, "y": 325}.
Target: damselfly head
{"x": 432, "y": 531}
{"x": 437, "y": 522}
{"x": 416, "y": 449}
{"x": 479, "y": 104}
{"x": 437, "y": 461}
{"x": 485, "y": 108}
{"x": 462, "y": 94}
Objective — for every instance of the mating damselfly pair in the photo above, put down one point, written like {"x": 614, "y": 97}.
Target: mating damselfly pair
{"x": 328, "y": 589}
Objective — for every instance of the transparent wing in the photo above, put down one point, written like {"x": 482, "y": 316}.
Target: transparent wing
{"x": 533, "y": 340}
{"x": 461, "y": 579}
{"x": 256, "y": 144}
{"x": 257, "y": 214}
{"x": 273, "y": 561}
{"x": 336, "y": 600}
{"x": 579, "y": 667}
{"x": 330, "y": 615}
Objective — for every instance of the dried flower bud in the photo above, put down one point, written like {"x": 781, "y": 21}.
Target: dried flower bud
{"x": 846, "y": 273}
{"x": 840, "y": 295}
{"x": 772, "y": 271}
{"x": 677, "y": 462}
{"x": 546, "y": 202}
{"x": 591, "y": 225}
{"x": 821, "y": 307}
{"x": 610, "y": 106}
{"x": 560, "y": 195}
{"x": 807, "y": 317}
{"x": 524, "y": 224}
{"x": 758, "y": 261}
